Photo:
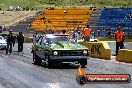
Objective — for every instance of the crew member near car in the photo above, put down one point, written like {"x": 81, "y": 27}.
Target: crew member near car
{"x": 87, "y": 32}
{"x": 20, "y": 39}
{"x": 119, "y": 38}
{"x": 9, "y": 42}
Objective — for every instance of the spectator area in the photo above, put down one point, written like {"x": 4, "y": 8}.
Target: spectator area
{"x": 112, "y": 17}
{"x": 60, "y": 19}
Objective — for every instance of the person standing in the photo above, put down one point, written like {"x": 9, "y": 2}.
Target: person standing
{"x": 0, "y": 29}
{"x": 20, "y": 39}
{"x": 9, "y": 42}
{"x": 119, "y": 38}
{"x": 87, "y": 32}
{"x": 14, "y": 40}
{"x": 4, "y": 29}
{"x": 109, "y": 33}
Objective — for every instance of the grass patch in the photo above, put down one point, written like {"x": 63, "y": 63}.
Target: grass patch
{"x": 41, "y": 4}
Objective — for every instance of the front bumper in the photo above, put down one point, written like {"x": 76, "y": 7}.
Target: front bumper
{"x": 3, "y": 46}
{"x": 69, "y": 58}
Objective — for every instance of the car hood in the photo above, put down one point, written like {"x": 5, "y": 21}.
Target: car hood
{"x": 2, "y": 41}
{"x": 62, "y": 45}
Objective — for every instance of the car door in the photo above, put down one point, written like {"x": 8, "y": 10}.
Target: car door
{"x": 38, "y": 47}
{"x": 44, "y": 47}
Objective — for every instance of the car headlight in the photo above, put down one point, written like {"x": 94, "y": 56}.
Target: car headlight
{"x": 85, "y": 52}
{"x": 55, "y": 53}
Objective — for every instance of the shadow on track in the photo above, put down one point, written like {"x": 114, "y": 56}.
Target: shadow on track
{"x": 61, "y": 66}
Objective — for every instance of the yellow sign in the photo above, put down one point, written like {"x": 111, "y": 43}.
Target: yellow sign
{"x": 98, "y": 49}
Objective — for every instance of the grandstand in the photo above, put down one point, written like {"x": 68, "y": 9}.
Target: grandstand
{"x": 60, "y": 19}
{"x": 70, "y": 19}
{"x": 112, "y": 17}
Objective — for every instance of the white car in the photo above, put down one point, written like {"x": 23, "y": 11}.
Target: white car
{"x": 3, "y": 43}
{"x": 92, "y": 39}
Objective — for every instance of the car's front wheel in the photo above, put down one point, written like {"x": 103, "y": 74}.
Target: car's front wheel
{"x": 83, "y": 63}
{"x": 36, "y": 59}
{"x": 48, "y": 62}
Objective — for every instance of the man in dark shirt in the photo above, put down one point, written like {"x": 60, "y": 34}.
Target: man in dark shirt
{"x": 20, "y": 39}
{"x": 9, "y": 42}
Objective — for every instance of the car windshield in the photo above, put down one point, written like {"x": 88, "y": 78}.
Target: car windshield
{"x": 57, "y": 39}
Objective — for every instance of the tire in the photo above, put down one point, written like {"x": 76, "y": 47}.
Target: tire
{"x": 36, "y": 59}
{"x": 83, "y": 63}
{"x": 48, "y": 62}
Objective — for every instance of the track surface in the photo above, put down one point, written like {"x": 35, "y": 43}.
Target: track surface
{"x": 17, "y": 71}
{"x": 113, "y": 46}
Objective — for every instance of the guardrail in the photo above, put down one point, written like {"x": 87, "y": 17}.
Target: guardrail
{"x": 124, "y": 55}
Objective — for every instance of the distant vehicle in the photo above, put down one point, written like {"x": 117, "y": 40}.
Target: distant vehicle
{"x": 11, "y": 8}
{"x": 3, "y": 43}
{"x": 17, "y": 8}
{"x": 58, "y": 48}
{"x": 92, "y": 39}
{"x": 3, "y": 35}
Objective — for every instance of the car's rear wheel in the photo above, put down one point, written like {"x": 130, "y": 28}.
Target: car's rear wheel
{"x": 36, "y": 59}
{"x": 83, "y": 63}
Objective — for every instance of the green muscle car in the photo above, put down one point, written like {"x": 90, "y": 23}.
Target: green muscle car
{"x": 57, "y": 48}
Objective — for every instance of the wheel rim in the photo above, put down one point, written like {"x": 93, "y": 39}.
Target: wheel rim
{"x": 46, "y": 62}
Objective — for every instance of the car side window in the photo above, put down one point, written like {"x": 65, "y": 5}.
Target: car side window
{"x": 40, "y": 41}
{"x": 36, "y": 38}
{"x": 44, "y": 41}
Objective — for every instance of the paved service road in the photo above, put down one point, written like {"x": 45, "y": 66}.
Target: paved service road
{"x": 113, "y": 46}
{"x": 17, "y": 71}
